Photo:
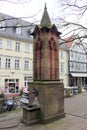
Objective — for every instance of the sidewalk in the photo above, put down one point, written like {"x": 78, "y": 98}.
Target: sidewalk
{"x": 75, "y": 120}
{"x": 68, "y": 123}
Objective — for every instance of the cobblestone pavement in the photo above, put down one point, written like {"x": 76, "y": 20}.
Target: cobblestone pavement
{"x": 75, "y": 119}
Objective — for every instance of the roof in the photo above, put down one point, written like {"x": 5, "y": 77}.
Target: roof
{"x": 62, "y": 45}
{"x": 45, "y": 21}
{"x": 79, "y": 74}
{"x": 69, "y": 41}
{"x": 11, "y": 23}
{"x": 45, "y": 24}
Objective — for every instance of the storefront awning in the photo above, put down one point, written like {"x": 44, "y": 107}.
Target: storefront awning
{"x": 79, "y": 74}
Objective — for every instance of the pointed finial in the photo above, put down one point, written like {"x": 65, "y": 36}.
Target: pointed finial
{"x": 45, "y": 21}
{"x": 45, "y": 6}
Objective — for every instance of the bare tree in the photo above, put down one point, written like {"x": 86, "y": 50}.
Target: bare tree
{"x": 74, "y": 22}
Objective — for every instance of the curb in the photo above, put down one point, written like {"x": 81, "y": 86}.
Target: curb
{"x": 10, "y": 126}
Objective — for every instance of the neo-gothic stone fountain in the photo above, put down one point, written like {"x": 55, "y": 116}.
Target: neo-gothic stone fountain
{"x": 46, "y": 75}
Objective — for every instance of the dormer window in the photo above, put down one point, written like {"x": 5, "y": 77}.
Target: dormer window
{"x": 18, "y": 29}
{"x": 2, "y": 24}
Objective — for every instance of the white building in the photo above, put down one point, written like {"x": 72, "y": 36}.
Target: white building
{"x": 77, "y": 64}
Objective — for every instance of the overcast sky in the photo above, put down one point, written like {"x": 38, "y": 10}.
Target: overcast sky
{"x": 32, "y": 7}
{"x": 35, "y": 8}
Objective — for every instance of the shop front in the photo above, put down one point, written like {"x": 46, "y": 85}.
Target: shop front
{"x": 77, "y": 79}
{"x": 11, "y": 85}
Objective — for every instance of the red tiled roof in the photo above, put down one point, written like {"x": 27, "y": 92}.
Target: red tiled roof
{"x": 69, "y": 41}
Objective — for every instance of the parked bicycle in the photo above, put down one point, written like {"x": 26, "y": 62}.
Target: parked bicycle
{"x": 9, "y": 104}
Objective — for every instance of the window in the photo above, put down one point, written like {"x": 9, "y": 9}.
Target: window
{"x": 9, "y": 44}
{"x": 27, "y": 79}
{"x": 27, "y": 47}
{"x": 11, "y": 85}
{"x": 26, "y": 65}
{"x": 62, "y": 54}
{"x": 17, "y": 46}
{"x": 18, "y": 29}
{"x": 0, "y": 43}
{"x": 62, "y": 67}
{"x": 71, "y": 55}
{"x": 8, "y": 63}
{"x": 17, "y": 63}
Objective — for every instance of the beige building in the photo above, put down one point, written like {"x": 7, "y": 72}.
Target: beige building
{"x": 16, "y": 54}
{"x": 63, "y": 64}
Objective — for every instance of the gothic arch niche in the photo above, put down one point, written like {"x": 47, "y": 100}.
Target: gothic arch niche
{"x": 53, "y": 65}
{"x": 38, "y": 56}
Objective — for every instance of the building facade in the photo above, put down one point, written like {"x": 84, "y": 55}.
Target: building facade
{"x": 73, "y": 62}
{"x": 16, "y": 54}
{"x": 63, "y": 64}
{"x": 77, "y": 64}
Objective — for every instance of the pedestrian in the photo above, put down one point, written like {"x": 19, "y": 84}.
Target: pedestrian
{"x": 28, "y": 84}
